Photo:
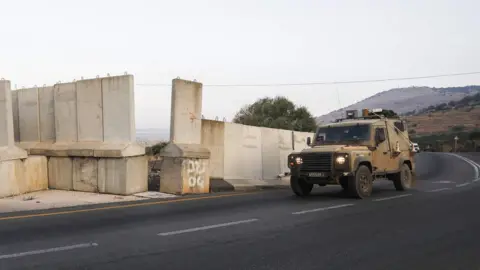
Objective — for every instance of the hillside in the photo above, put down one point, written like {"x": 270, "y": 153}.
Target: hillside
{"x": 455, "y": 116}
{"x": 405, "y": 100}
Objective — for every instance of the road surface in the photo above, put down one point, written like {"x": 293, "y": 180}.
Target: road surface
{"x": 434, "y": 226}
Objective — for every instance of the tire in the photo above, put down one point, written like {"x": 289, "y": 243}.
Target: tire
{"x": 360, "y": 185}
{"x": 300, "y": 187}
{"x": 403, "y": 180}
{"x": 344, "y": 182}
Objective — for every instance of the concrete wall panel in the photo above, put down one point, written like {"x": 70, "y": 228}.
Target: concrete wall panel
{"x": 6, "y": 119}
{"x": 16, "y": 127}
{"x": 243, "y": 152}
{"x": 47, "y": 114}
{"x": 28, "y": 115}
{"x": 65, "y": 97}
{"x": 270, "y": 153}
{"x": 285, "y": 148}
{"x": 185, "y": 123}
{"x": 213, "y": 139}
{"x": 300, "y": 140}
{"x": 89, "y": 110}
{"x": 118, "y": 109}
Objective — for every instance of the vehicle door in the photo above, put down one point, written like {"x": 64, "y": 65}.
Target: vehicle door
{"x": 381, "y": 155}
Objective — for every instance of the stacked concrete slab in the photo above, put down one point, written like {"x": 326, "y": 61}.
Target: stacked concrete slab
{"x": 185, "y": 168}
{"x": 87, "y": 129}
{"x": 18, "y": 173}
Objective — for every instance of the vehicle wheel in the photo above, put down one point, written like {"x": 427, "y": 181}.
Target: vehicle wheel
{"x": 361, "y": 184}
{"x": 403, "y": 179}
{"x": 344, "y": 182}
{"x": 300, "y": 187}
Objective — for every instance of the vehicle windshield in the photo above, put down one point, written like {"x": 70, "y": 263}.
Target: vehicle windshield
{"x": 342, "y": 134}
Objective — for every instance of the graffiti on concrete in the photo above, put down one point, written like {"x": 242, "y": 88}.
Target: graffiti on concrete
{"x": 195, "y": 172}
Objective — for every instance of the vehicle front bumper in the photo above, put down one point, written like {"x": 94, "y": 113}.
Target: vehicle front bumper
{"x": 325, "y": 177}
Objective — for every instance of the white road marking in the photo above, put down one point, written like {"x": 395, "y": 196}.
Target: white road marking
{"x": 442, "y": 182}
{"x": 208, "y": 227}
{"x": 393, "y": 197}
{"x": 475, "y": 166}
{"x": 50, "y": 250}
{"x": 462, "y": 185}
{"x": 321, "y": 209}
{"x": 440, "y": 189}
{"x": 478, "y": 179}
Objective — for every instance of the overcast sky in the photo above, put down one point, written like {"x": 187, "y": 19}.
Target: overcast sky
{"x": 241, "y": 42}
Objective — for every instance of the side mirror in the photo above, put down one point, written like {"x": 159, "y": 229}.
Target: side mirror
{"x": 309, "y": 141}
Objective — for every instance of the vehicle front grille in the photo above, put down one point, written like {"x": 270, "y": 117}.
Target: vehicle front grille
{"x": 316, "y": 162}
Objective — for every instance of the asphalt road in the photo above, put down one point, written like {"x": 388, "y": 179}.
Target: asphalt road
{"x": 436, "y": 225}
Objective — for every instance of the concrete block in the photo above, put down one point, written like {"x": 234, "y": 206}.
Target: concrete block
{"x": 186, "y": 114}
{"x": 10, "y": 173}
{"x": 46, "y": 106}
{"x": 65, "y": 107}
{"x": 60, "y": 172}
{"x": 118, "y": 109}
{"x": 28, "y": 115}
{"x": 89, "y": 110}
{"x": 185, "y": 175}
{"x": 36, "y": 173}
{"x": 123, "y": 176}
{"x": 85, "y": 174}
{"x": 23, "y": 176}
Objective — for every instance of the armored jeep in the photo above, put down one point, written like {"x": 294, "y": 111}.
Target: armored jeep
{"x": 353, "y": 152}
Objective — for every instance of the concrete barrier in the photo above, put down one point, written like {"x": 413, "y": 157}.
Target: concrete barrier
{"x": 18, "y": 173}
{"x": 87, "y": 129}
{"x": 186, "y": 165}
{"x": 246, "y": 156}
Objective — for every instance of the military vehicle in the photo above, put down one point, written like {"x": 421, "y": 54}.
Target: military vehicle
{"x": 353, "y": 152}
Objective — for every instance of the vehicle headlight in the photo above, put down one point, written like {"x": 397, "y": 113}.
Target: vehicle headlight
{"x": 298, "y": 160}
{"x": 340, "y": 160}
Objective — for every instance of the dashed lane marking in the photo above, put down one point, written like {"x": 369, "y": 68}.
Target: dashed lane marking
{"x": 442, "y": 182}
{"x": 462, "y": 185}
{"x": 322, "y": 209}
{"x": 393, "y": 197}
{"x": 438, "y": 190}
{"x": 208, "y": 227}
{"x": 50, "y": 250}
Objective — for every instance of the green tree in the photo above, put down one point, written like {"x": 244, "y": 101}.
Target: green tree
{"x": 278, "y": 112}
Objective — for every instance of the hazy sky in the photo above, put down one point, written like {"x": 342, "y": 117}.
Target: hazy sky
{"x": 240, "y": 42}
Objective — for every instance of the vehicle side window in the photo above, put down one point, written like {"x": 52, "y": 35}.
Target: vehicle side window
{"x": 380, "y": 135}
{"x": 400, "y": 125}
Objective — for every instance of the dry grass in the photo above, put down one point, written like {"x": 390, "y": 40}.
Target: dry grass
{"x": 444, "y": 121}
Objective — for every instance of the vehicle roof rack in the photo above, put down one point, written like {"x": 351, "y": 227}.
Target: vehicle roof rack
{"x": 368, "y": 114}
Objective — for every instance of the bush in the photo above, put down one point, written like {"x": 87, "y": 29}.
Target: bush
{"x": 458, "y": 128}
{"x": 155, "y": 149}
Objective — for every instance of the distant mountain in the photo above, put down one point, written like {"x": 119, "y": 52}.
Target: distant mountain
{"x": 149, "y": 136}
{"x": 403, "y": 100}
